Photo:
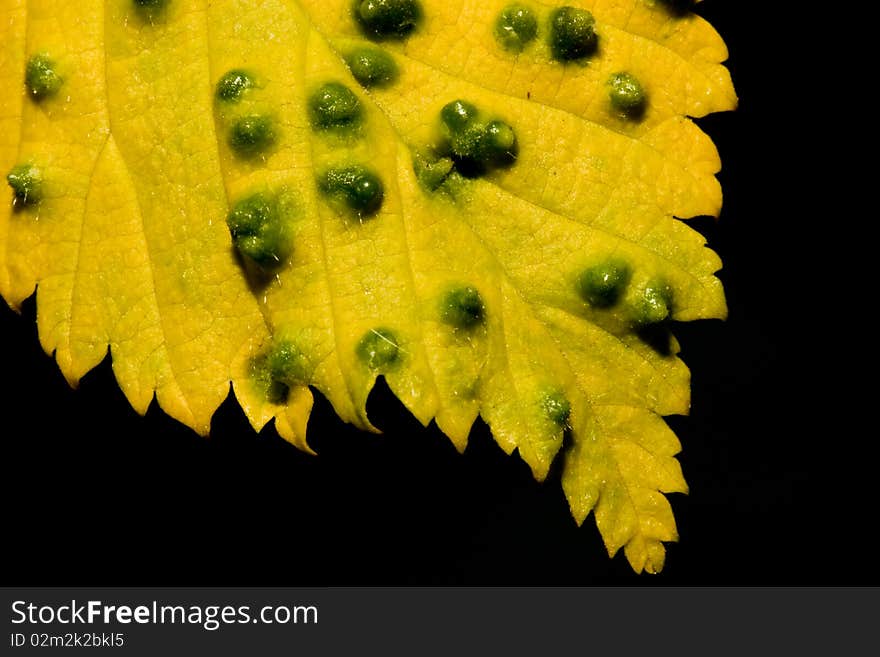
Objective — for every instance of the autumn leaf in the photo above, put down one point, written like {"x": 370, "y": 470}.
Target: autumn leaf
{"x": 479, "y": 201}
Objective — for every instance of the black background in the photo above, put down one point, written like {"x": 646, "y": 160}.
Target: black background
{"x": 94, "y": 494}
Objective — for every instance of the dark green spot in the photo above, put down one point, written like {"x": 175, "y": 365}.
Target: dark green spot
{"x": 372, "y": 67}
{"x": 379, "y": 349}
{"x": 572, "y": 34}
{"x": 26, "y": 181}
{"x": 470, "y": 142}
{"x": 479, "y": 147}
{"x": 516, "y": 26}
{"x": 275, "y": 392}
{"x": 41, "y": 77}
{"x": 463, "y": 308}
{"x": 251, "y": 135}
{"x": 233, "y": 84}
{"x": 457, "y": 115}
{"x": 359, "y": 188}
{"x": 557, "y": 408}
{"x": 602, "y": 285}
{"x": 258, "y": 224}
{"x": 500, "y": 145}
{"x": 474, "y": 145}
{"x": 387, "y": 19}
{"x": 627, "y": 95}
{"x": 149, "y": 9}
{"x": 655, "y": 304}
{"x": 334, "y": 105}
{"x": 287, "y": 363}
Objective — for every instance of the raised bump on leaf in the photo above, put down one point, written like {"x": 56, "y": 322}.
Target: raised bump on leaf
{"x": 627, "y": 94}
{"x": 379, "y": 349}
{"x": 457, "y": 115}
{"x": 41, "y": 77}
{"x": 433, "y": 171}
{"x": 26, "y": 181}
{"x": 150, "y": 9}
{"x": 501, "y": 145}
{"x": 602, "y": 285}
{"x": 357, "y": 187}
{"x": 516, "y": 27}
{"x": 268, "y": 388}
{"x": 477, "y": 145}
{"x": 572, "y": 34}
{"x": 387, "y": 19}
{"x": 469, "y": 143}
{"x": 463, "y": 308}
{"x": 333, "y": 105}
{"x": 372, "y": 67}
{"x": 654, "y": 304}
{"x": 233, "y": 84}
{"x": 287, "y": 363}
{"x": 252, "y": 135}
{"x": 557, "y": 408}
{"x": 258, "y": 224}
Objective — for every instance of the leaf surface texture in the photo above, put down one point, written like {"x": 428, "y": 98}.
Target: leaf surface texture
{"x": 469, "y": 282}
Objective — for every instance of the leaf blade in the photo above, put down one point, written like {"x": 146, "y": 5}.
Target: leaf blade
{"x": 130, "y": 250}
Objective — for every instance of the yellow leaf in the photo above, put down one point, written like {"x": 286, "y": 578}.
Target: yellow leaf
{"x": 478, "y": 201}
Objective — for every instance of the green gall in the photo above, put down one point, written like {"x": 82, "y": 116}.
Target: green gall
{"x": 250, "y": 214}
{"x": 655, "y": 304}
{"x": 251, "y": 135}
{"x": 334, "y": 105}
{"x": 457, "y": 115}
{"x": 463, "y": 308}
{"x": 357, "y": 187}
{"x": 26, "y": 182}
{"x": 500, "y": 145}
{"x": 41, "y": 77}
{"x": 602, "y": 285}
{"x": 432, "y": 171}
{"x": 515, "y": 27}
{"x": 273, "y": 391}
{"x": 372, "y": 67}
{"x": 474, "y": 145}
{"x": 149, "y": 9}
{"x": 387, "y": 19}
{"x": 233, "y": 84}
{"x": 572, "y": 34}
{"x": 258, "y": 225}
{"x": 469, "y": 143}
{"x": 627, "y": 95}
{"x": 281, "y": 366}
{"x": 287, "y": 363}
{"x": 557, "y": 408}
{"x": 379, "y": 349}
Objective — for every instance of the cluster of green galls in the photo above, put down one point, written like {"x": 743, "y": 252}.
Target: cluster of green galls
{"x": 380, "y": 349}
{"x": 571, "y": 37}
{"x": 472, "y": 144}
{"x": 42, "y": 81}
{"x": 254, "y": 220}
{"x": 603, "y": 286}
